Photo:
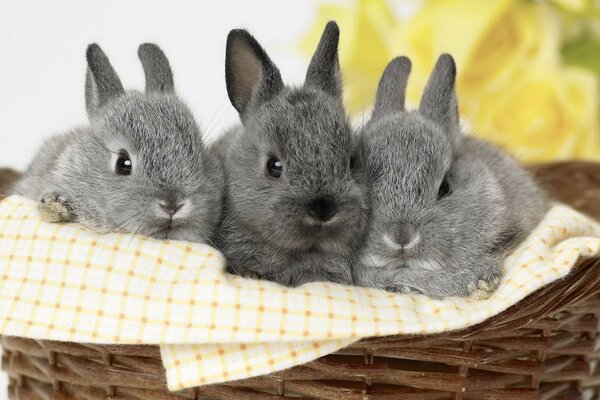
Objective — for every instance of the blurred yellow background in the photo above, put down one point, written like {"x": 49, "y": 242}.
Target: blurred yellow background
{"x": 528, "y": 70}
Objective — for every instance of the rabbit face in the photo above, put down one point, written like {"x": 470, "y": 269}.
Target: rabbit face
{"x": 146, "y": 168}
{"x": 140, "y": 166}
{"x": 407, "y": 160}
{"x": 430, "y": 197}
{"x": 424, "y": 196}
{"x": 292, "y": 177}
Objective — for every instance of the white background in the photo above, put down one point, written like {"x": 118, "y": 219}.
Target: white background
{"x": 42, "y": 58}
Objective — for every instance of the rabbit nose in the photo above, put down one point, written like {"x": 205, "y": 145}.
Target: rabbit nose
{"x": 322, "y": 209}
{"x": 170, "y": 208}
{"x": 404, "y": 237}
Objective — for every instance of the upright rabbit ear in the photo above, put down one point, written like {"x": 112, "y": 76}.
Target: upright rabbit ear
{"x": 251, "y": 76}
{"x": 391, "y": 92}
{"x": 101, "y": 82}
{"x": 439, "y": 98}
{"x": 159, "y": 77}
{"x": 324, "y": 68}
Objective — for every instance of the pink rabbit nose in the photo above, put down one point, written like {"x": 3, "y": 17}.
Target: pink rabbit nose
{"x": 170, "y": 208}
{"x": 404, "y": 237}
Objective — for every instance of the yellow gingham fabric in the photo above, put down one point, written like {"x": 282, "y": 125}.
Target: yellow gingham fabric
{"x": 63, "y": 282}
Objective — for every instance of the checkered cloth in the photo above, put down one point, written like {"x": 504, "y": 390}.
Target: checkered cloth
{"x": 63, "y": 282}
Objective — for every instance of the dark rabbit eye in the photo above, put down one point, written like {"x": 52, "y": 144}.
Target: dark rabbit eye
{"x": 274, "y": 167}
{"x": 123, "y": 164}
{"x": 444, "y": 189}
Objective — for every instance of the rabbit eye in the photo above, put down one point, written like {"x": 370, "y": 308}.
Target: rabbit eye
{"x": 274, "y": 167}
{"x": 444, "y": 189}
{"x": 123, "y": 164}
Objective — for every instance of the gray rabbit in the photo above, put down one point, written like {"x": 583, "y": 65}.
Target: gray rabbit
{"x": 139, "y": 167}
{"x": 296, "y": 206}
{"x": 445, "y": 207}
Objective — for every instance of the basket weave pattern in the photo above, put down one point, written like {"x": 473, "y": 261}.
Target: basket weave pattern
{"x": 545, "y": 347}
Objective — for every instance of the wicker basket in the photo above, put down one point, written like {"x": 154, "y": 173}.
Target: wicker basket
{"x": 545, "y": 347}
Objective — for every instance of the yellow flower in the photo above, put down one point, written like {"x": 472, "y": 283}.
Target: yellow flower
{"x": 549, "y": 114}
{"x": 577, "y": 6}
{"x": 489, "y": 40}
{"x": 364, "y": 51}
{"x": 511, "y": 85}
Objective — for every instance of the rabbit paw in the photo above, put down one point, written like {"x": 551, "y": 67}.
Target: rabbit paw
{"x": 484, "y": 288}
{"x": 55, "y": 208}
{"x": 402, "y": 289}
{"x": 408, "y": 290}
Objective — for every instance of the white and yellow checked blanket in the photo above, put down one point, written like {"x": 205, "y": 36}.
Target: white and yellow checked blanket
{"x": 63, "y": 282}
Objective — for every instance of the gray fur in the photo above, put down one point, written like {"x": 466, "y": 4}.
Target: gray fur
{"x": 252, "y": 78}
{"x": 323, "y": 72}
{"x": 102, "y": 84}
{"x": 493, "y": 203}
{"x": 170, "y": 163}
{"x": 268, "y": 232}
{"x": 159, "y": 77}
{"x": 392, "y": 88}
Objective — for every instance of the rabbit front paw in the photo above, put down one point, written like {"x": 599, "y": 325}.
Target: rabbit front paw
{"x": 55, "y": 208}
{"x": 402, "y": 289}
{"x": 408, "y": 290}
{"x": 483, "y": 287}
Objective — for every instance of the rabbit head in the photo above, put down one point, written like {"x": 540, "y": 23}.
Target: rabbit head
{"x": 291, "y": 175}
{"x": 430, "y": 197}
{"x": 143, "y": 167}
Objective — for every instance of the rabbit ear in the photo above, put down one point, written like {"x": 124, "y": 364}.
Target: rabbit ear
{"x": 159, "y": 77}
{"x": 324, "y": 69}
{"x": 251, "y": 76}
{"x": 101, "y": 83}
{"x": 391, "y": 92}
{"x": 439, "y": 98}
